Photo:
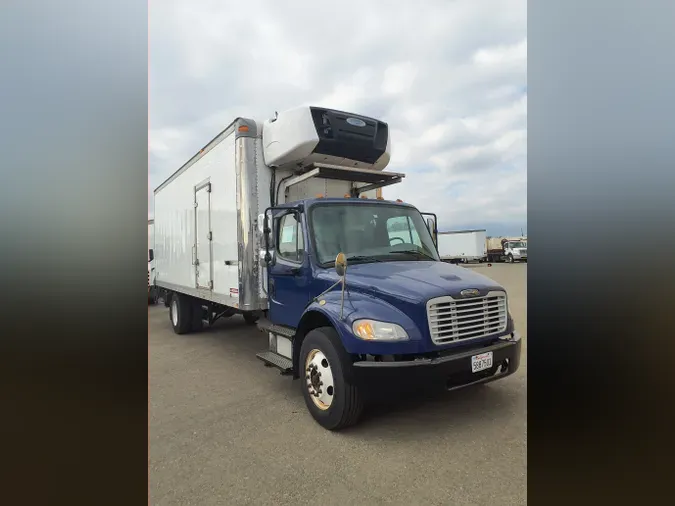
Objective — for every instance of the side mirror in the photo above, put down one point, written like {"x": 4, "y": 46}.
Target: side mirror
{"x": 265, "y": 229}
{"x": 431, "y": 221}
{"x": 341, "y": 265}
{"x": 431, "y": 225}
{"x": 151, "y": 255}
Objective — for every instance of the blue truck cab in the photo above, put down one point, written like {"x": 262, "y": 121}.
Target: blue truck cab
{"x": 358, "y": 297}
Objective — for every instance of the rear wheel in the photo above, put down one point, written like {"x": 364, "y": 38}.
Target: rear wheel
{"x": 331, "y": 399}
{"x": 250, "y": 318}
{"x": 180, "y": 314}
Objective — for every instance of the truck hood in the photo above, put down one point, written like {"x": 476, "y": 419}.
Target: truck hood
{"x": 415, "y": 282}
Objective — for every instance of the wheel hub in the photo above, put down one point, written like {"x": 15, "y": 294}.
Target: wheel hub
{"x": 315, "y": 382}
{"x": 319, "y": 379}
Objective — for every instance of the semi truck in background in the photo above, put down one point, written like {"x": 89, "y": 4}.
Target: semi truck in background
{"x": 152, "y": 290}
{"x": 505, "y": 249}
{"x": 282, "y": 222}
{"x": 462, "y": 246}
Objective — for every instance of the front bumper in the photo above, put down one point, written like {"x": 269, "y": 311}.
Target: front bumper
{"x": 451, "y": 371}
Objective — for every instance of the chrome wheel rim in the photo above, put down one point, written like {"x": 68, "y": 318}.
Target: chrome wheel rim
{"x": 174, "y": 312}
{"x": 319, "y": 379}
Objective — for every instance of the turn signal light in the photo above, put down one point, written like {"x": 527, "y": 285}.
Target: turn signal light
{"x": 364, "y": 330}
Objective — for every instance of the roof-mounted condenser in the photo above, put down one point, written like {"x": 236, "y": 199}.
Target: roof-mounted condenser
{"x": 307, "y": 135}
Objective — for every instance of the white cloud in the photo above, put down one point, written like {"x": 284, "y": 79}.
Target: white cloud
{"x": 502, "y": 55}
{"x": 398, "y": 78}
{"x": 449, "y": 78}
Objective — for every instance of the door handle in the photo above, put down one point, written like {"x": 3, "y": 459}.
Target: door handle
{"x": 293, "y": 271}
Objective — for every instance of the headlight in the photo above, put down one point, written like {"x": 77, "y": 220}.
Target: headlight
{"x": 371, "y": 330}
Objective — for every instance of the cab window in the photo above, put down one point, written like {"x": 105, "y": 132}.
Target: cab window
{"x": 290, "y": 240}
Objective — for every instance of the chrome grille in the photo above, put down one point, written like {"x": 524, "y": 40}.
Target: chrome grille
{"x": 458, "y": 319}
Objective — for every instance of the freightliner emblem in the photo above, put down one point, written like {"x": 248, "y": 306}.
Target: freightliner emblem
{"x": 469, "y": 292}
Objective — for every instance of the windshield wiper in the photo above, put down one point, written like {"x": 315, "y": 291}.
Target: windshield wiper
{"x": 413, "y": 252}
{"x": 361, "y": 258}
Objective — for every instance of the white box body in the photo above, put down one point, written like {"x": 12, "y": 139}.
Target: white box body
{"x": 206, "y": 237}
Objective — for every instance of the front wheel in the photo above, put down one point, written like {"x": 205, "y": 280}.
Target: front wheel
{"x": 333, "y": 401}
{"x": 509, "y": 259}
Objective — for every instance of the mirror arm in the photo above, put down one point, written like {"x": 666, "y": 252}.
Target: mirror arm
{"x": 342, "y": 302}
{"x": 341, "y": 269}
{"x": 328, "y": 290}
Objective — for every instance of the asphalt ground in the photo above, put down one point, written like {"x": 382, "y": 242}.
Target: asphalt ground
{"x": 225, "y": 430}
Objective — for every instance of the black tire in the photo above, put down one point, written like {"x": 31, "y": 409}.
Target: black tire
{"x": 152, "y": 296}
{"x": 250, "y": 318}
{"x": 347, "y": 402}
{"x": 509, "y": 258}
{"x": 182, "y": 307}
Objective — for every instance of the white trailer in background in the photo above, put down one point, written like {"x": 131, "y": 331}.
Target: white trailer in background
{"x": 462, "y": 246}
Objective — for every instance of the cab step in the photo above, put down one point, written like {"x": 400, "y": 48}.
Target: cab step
{"x": 275, "y": 360}
{"x": 267, "y": 326}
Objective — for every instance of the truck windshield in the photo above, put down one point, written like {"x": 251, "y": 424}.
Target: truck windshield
{"x": 370, "y": 233}
{"x": 518, "y": 244}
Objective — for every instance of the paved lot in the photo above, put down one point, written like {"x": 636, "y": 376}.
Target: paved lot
{"x": 226, "y": 430}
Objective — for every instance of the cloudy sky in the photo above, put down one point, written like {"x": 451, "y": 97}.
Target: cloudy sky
{"x": 449, "y": 76}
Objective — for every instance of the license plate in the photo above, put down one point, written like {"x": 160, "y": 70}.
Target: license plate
{"x": 481, "y": 362}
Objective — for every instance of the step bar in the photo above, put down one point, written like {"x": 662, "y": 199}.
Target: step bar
{"x": 271, "y": 359}
{"x": 267, "y": 326}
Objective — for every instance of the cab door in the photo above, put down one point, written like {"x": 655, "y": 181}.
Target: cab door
{"x": 289, "y": 270}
